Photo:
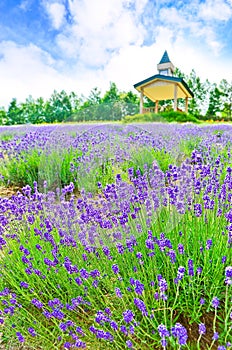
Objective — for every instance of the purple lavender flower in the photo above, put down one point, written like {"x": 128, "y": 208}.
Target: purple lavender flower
{"x": 209, "y": 243}
{"x": 106, "y": 251}
{"x": 202, "y": 328}
{"x": 228, "y": 274}
{"x": 80, "y": 344}
{"x": 93, "y": 329}
{"x": 95, "y": 283}
{"x": 180, "y": 248}
{"x": 202, "y": 301}
{"x": 124, "y": 330}
{"x": 190, "y": 267}
{"x": 67, "y": 345}
{"x": 58, "y": 314}
{"x": 20, "y": 337}
{"x": 120, "y": 248}
{"x": 172, "y": 254}
{"x": 163, "y": 332}
{"x": 128, "y": 316}
{"x": 100, "y": 334}
{"x": 108, "y": 336}
{"x": 37, "y": 303}
{"x": 84, "y": 274}
{"x": 114, "y": 325}
{"x": 79, "y": 330}
{"x": 228, "y": 271}
{"x": 32, "y": 331}
{"x": 78, "y": 280}
{"x": 150, "y": 244}
{"x": 141, "y": 306}
{"x": 180, "y": 333}
{"x": 139, "y": 255}
{"x": 156, "y": 296}
{"x": 164, "y": 343}
{"x": 163, "y": 286}
{"x": 215, "y": 302}
{"x": 180, "y": 273}
{"x": 63, "y": 326}
{"x": 198, "y": 209}
{"x": 84, "y": 257}
{"x": 115, "y": 269}
{"x": 139, "y": 287}
{"x": 223, "y": 259}
{"x": 95, "y": 273}
{"x": 118, "y": 292}
{"x": 129, "y": 344}
{"x": 24, "y": 284}
{"x": 215, "y": 336}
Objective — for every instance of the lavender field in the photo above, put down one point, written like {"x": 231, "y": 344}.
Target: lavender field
{"x": 116, "y": 237}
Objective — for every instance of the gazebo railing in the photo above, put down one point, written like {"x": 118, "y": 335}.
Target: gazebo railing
{"x": 148, "y": 110}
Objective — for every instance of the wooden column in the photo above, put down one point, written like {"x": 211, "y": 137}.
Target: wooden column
{"x": 175, "y": 97}
{"x": 156, "y": 106}
{"x": 141, "y": 101}
{"x": 186, "y": 104}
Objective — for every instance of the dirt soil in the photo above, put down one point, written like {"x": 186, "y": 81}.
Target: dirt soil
{"x": 8, "y": 191}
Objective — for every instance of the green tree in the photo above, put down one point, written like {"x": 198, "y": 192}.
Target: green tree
{"x": 110, "y": 109}
{"x": 129, "y": 103}
{"x": 112, "y": 94}
{"x": 49, "y": 112}
{"x": 197, "y": 105}
{"x": 15, "y": 113}
{"x": 39, "y": 111}
{"x": 226, "y": 98}
{"x": 60, "y": 106}
{"x": 199, "y": 89}
{"x": 90, "y": 108}
{"x": 3, "y": 116}
{"x": 28, "y": 109}
{"x": 214, "y": 102}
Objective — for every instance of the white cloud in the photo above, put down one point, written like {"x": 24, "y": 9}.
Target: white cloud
{"x": 56, "y": 12}
{"x": 198, "y": 21}
{"x": 212, "y": 10}
{"x": 27, "y": 70}
{"x": 99, "y": 28}
{"x": 25, "y": 4}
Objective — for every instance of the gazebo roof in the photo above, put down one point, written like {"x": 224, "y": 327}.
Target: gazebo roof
{"x": 161, "y": 87}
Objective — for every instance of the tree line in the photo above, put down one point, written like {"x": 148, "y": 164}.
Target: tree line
{"x": 211, "y": 101}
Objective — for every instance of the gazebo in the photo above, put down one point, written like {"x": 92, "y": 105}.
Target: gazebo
{"x": 163, "y": 86}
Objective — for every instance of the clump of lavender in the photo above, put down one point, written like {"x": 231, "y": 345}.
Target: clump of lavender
{"x": 164, "y": 335}
{"x": 180, "y": 332}
{"x": 123, "y": 261}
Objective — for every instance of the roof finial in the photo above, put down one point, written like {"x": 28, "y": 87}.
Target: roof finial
{"x": 165, "y": 58}
{"x": 165, "y": 67}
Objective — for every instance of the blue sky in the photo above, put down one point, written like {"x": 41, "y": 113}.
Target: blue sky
{"x": 76, "y": 45}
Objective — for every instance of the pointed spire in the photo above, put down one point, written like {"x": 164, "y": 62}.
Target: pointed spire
{"x": 165, "y": 58}
{"x": 165, "y": 67}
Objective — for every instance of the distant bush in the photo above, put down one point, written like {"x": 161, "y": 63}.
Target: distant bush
{"x": 146, "y": 117}
{"x": 171, "y": 116}
{"x": 180, "y": 117}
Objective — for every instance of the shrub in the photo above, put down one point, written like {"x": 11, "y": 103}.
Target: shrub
{"x": 171, "y": 116}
